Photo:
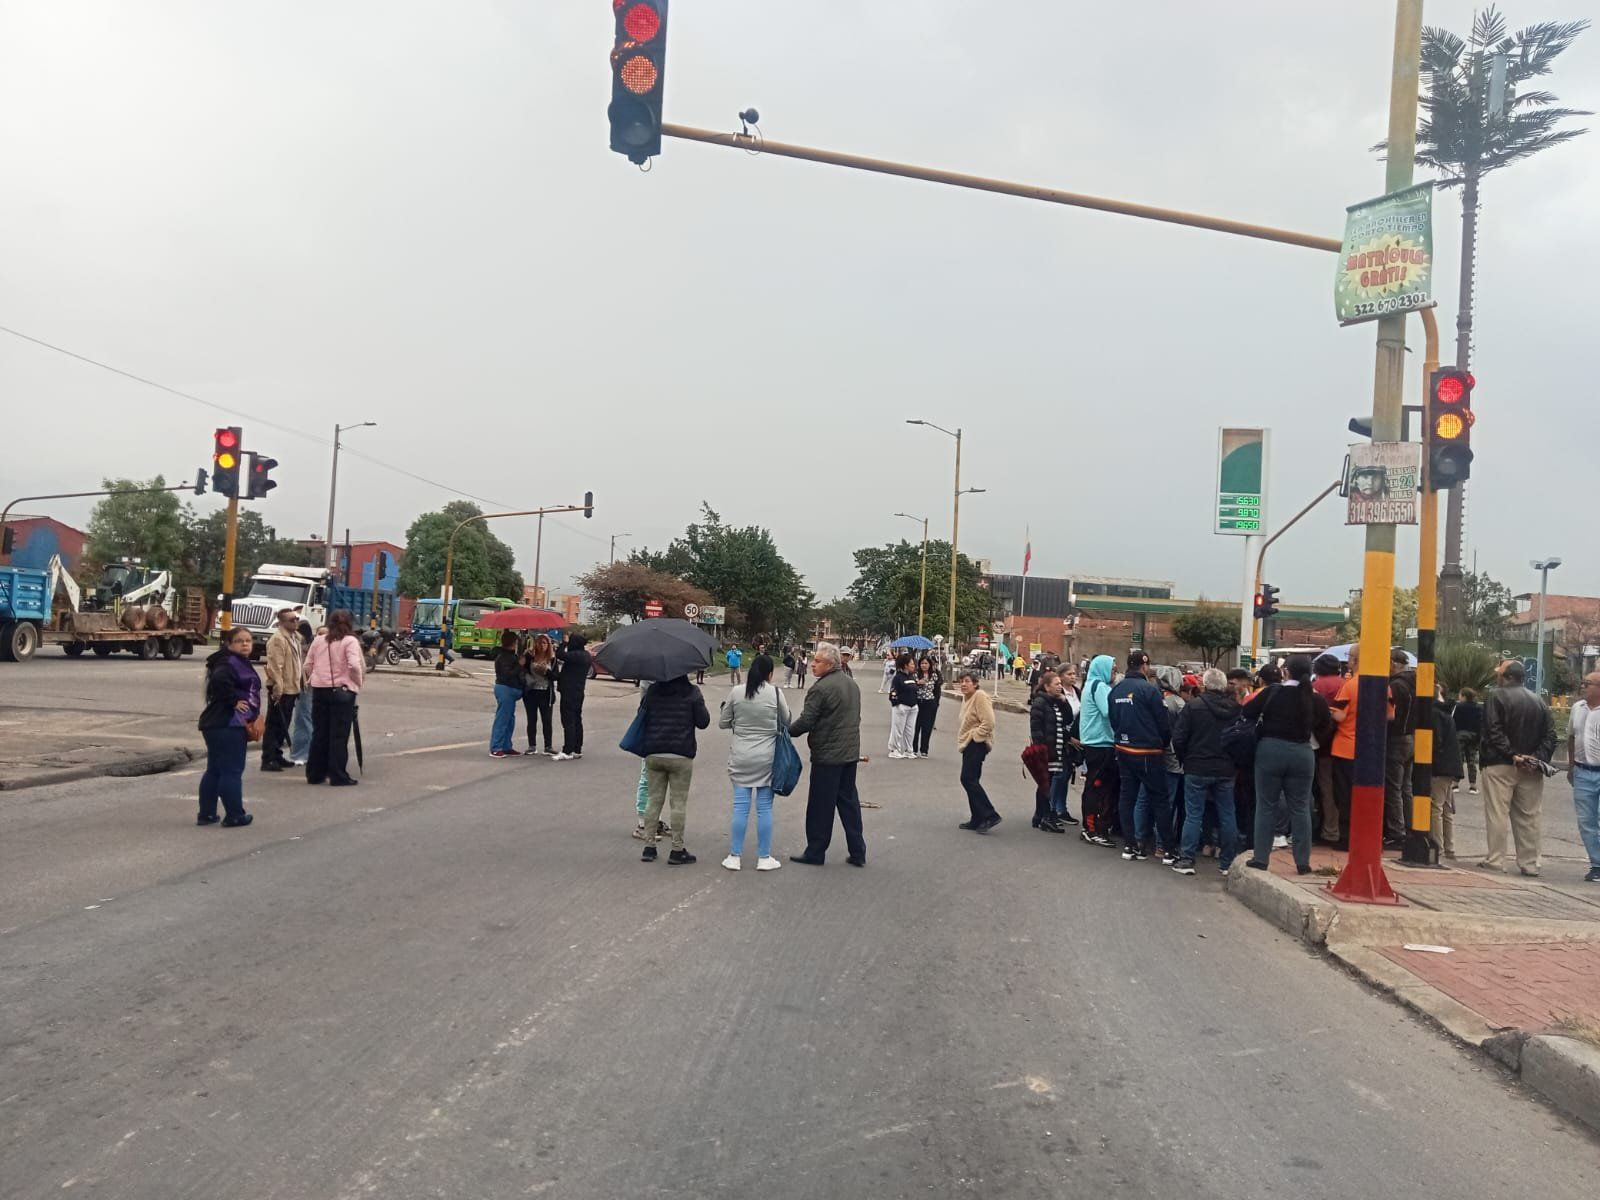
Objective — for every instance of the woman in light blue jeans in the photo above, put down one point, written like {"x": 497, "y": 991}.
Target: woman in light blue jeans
{"x": 754, "y": 712}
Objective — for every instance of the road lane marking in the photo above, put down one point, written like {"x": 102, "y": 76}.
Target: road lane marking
{"x": 434, "y": 749}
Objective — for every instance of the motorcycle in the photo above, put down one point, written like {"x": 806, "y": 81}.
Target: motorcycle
{"x": 401, "y": 646}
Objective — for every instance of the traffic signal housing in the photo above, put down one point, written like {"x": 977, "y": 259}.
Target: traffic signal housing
{"x": 588, "y": 504}
{"x": 1450, "y": 419}
{"x": 638, "y": 77}
{"x": 200, "y": 482}
{"x": 1266, "y": 602}
{"x": 261, "y": 480}
{"x": 225, "y": 455}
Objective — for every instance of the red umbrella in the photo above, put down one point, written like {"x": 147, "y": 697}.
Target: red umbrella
{"x": 522, "y": 618}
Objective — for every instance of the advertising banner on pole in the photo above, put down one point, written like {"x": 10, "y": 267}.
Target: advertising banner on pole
{"x": 1241, "y": 481}
{"x": 1381, "y": 487}
{"x": 1386, "y": 264}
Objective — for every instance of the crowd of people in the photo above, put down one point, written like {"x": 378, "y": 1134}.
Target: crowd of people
{"x": 1174, "y": 766}
{"x": 307, "y": 701}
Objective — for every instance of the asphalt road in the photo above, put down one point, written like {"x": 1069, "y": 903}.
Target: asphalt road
{"x": 457, "y": 980}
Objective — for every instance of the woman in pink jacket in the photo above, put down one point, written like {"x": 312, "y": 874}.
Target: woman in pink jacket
{"x": 333, "y": 673}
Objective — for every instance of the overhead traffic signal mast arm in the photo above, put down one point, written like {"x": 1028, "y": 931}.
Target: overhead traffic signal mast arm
{"x": 1026, "y": 191}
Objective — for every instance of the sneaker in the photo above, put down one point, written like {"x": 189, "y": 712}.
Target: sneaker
{"x": 680, "y": 858}
{"x": 1593, "y": 876}
{"x": 561, "y": 757}
{"x": 576, "y": 755}
{"x": 1129, "y": 853}
{"x": 513, "y": 753}
{"x": 768, "y": 864}
{"x": 1280, "y": 842}
{"x": 1101, "y": 840}
{"x": 1472, "y": 791}
{"x": 732, "y": 862}
{"x": 663, "y": 830}
{"x": 1168, "y": 858}
{"x": 648, "y": 855}
{"x": 497, "y": 754}
{"x": 989, "y": 823}
{"x": 638, "y": 831}
{"x": 1183, "y": 866}
{"x": 974, "y": 826}
{"x": 1066, "y": 818}
{"x": 895, "y": 754}
{"x": 238, "y": 822}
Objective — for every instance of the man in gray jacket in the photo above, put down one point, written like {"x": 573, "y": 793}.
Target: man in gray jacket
{"x": 832, "y": 716}
{"x": 1519, "y": 736}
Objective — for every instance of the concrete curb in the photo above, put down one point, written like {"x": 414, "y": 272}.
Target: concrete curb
{"x": 1564, "y": 1070}
{"x": 151, "y": 763}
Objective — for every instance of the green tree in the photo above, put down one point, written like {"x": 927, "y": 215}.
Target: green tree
{"x": 739, "y": 567}
{"x": 134, "y": 524}
{"x": 619, "y": 591}
{"x": 1486, "y": 606}
{"x": 483, "y": 564}
{"x": 256, "y": 542}
{"x": 844, "y": 617}
{"x": 1404, "y": 616}
{"x": 888, "y": 584}
{"x": 1464, "y": 136}
{"x": 1210, "y": 630}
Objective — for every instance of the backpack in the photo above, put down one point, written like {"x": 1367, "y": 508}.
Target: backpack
{"x": 1239, "y": 738}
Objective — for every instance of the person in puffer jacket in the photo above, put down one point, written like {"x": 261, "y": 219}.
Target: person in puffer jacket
{"x": 1143, "y": 728}
{"x": 1101, "y": 777}
{"x": 672, "y": 711}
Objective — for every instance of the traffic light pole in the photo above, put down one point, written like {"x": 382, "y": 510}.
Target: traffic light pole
{"x": 225, "y": 616}
{"x": 1363, "y": 879}
{"x": 445, "y": 622}
{"x": 5, "y": 515}
{"x": 1419, "y": 850}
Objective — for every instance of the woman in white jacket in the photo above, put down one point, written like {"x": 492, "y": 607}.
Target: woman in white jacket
{"x": 753, "y": 711}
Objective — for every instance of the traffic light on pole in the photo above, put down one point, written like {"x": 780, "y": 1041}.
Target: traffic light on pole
{"x": 225, "y": 455}
{"x": 638, "y": 76}
{"x": 261, "y": 480}
{"x": 588, "y": 504}
{"x": 1266, "y": 602}
{"x": 1450, "y": 418}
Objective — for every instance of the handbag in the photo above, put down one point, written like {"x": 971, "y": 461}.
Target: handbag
{"x": 1036, "y": 761}
{"x": 786, "y": 766}
{"x": 633, "y": 740}
{"x": 255, "y": 730}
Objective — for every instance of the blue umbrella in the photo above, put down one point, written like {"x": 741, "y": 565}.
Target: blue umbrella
{"x": 912, "y": 641}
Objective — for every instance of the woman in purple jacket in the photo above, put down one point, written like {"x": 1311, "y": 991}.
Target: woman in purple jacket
{"x": 233, "y": 700}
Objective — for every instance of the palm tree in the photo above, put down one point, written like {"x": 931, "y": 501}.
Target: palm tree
{"x": 1472, "y": 125}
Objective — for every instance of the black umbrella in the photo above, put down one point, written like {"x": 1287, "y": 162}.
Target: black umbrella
{"x": 656, "y": 649}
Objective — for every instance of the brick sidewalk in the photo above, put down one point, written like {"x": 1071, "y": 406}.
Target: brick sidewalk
{"x": 1532, "y": 986}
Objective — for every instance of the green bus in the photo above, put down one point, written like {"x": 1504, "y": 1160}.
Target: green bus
{"x": 467, "y": 638}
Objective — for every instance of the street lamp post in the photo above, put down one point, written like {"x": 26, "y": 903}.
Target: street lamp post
{"x": 955, "y": 519}
{"x": 333, "y": 488}
{"x": 922, "y": 598}
{"x": 1544, "y": 566}
{"x": 614, "y": 538}
{"x": 585, "y": 508}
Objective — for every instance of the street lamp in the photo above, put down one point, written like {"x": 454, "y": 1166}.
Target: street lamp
{"x": 955, "y": 518}
{"x": 1544, "y": 566}
{"x": 333, "y": 486}
{"x": 614, "y": 538}
{"x": 922, "y": 598}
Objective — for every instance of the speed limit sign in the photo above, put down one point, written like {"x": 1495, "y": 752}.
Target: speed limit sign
{"x": 691, "y": 611}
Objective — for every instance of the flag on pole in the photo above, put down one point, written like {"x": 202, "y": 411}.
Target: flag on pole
{"x": 1027, "y": 553}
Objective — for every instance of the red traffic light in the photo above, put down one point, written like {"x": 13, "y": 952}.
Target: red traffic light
{"x": 642, "y": 22}
{"x": 227, "y": 439}
{"x": 1450, "y": 390}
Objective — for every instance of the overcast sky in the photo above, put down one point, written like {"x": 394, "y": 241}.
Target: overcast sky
{"x": 318, "y": 212}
